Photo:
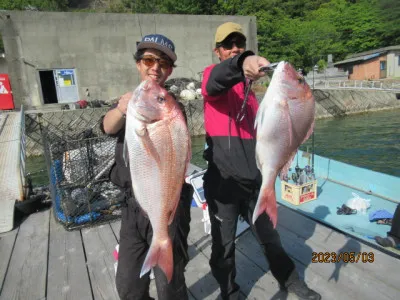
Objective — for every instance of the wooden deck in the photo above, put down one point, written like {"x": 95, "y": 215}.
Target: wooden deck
{"x": 40, "y": 260}
{"x": 11, "y": 181}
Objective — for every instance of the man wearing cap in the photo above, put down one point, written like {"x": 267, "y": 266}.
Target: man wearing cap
{"x": 155, "y": 58}
{"x": 232, "y": 180}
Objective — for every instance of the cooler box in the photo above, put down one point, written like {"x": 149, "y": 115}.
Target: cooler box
{"x": 299, "y": 194}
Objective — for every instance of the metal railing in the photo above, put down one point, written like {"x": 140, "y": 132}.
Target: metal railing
{"x": 22, "y": 153}
{"x": 358, "y": 84}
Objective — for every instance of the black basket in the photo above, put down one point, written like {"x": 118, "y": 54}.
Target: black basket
{"x": 78, "y": 165}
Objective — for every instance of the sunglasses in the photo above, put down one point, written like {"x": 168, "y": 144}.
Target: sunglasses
{"x": 150, "y": 61}
{"x": 228, "y": 44}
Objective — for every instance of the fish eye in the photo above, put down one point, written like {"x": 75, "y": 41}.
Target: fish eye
{"x": 161, "y": 99}
{"x": 300, "y": 80}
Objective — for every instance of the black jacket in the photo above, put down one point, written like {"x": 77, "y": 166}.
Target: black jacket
{"x": 231, "y": 142}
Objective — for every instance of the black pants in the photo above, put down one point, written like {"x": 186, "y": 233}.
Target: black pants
{"x": 227, "y": 199}
{"x": 135, "y": 239}
{"x": 395, "y": 228}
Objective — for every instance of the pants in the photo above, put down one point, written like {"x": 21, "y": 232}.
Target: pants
{"x": 135, "y": 239}
{"x": 395, "y": 228}
{"x": 227, "y": 200}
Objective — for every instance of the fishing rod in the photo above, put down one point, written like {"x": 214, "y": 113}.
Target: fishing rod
{"x": 312, "y": 157}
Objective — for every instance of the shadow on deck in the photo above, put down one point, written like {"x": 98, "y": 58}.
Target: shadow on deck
{"x": 41, "y": 260}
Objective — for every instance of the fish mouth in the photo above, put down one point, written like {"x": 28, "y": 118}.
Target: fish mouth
{"x": 285, "y": 67}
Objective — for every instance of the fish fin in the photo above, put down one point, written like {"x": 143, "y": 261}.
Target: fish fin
{"x": 258, "y": 119}
{"x": 125, "y": 153}
{"x": 266, "y": 203}
{"x": 188, "y": 156}
{"x": 172, "y": 213}
{"x": 309, "y": 132}
{"x": 150, "y": 149}
{"x": 258, "y": 164}
{"x": 141, "y": 130}
{"x": 261, "y": 112}
{"x": 285, "y": 168}
{"x": 159, "y": 254}
{"x": 290, "y": 124}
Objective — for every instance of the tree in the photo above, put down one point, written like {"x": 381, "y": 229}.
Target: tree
{"x": 390, "y": 14}
{"x": 44, "y": 5}
{"x": 300, "y": 31}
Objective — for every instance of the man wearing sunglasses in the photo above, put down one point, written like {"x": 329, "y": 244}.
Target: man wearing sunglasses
{"x": 155, "y": 58}
{"x": 232, "y": 180}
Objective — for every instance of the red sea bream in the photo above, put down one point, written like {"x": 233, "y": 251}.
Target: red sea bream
{"x": 284, "y": 121}
{"x": 158, "y": 146}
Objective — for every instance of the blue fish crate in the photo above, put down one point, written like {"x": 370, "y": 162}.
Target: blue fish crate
{"x": 78, "y": 167}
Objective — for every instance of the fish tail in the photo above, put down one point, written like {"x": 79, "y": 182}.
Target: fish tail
{"x": 159, "y": 254}
{"x": 266, "y": 203}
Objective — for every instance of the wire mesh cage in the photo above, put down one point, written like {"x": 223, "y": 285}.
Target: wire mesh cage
{"x": 78, "y": 163}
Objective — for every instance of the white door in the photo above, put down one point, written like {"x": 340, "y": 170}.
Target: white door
{"x": 66, "y": 86}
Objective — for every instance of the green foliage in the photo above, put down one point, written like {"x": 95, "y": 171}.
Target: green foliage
{"x": 187, "y": 7}
{"x": 43, "y": 5}
{"x": 303, "y": 32}
{"x": 390, "y": 13}
{"x": 322, "y": 64}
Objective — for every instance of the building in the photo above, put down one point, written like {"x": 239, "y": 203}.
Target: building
{"x": 61, "y": 57}
{"x": 372, "y": 65}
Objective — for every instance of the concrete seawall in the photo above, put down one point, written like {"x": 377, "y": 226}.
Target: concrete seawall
{"x": 329, "y": 104}
{"x": 334, "y": 103}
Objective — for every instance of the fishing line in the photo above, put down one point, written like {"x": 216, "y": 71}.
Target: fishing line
{"x": 154, "y": 18}
{"x": 137, "y": 15}
{"x": 141, "y": 36}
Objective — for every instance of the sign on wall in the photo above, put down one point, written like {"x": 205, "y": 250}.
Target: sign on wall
{"x": 66, "y": 86}
{"x": 6, "y": 98}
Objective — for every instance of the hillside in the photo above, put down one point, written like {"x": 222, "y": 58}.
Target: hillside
{"x": 303, "y": 32}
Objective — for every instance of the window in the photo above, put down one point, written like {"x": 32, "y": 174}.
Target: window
{"x": 382, "y": 65}
{"x": 398, "y": 60}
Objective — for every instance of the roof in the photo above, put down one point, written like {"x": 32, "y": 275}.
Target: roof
{"x": 367, "y": 55}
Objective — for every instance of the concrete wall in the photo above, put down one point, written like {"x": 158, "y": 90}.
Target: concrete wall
{"x": 332, "y": 103}
{"x": 100, "y": 47}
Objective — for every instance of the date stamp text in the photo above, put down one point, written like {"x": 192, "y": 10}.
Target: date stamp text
{"x": 346, "y": 257}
